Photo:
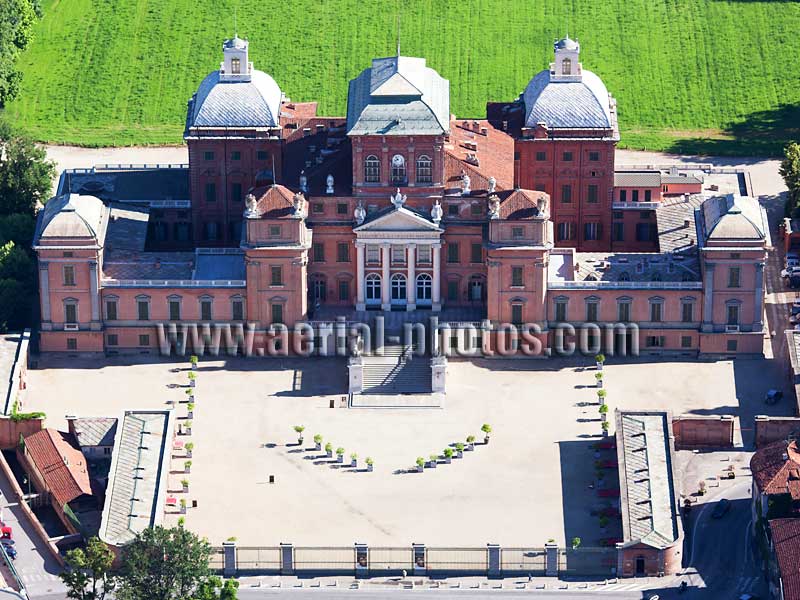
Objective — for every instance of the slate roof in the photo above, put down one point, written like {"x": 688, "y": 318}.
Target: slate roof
{"x": 785, "y": 535}
{"x": 647, "y": 493}
{"x": 635, "y": 267}
{"x": 131, "y": 185}
{"x": 94, "y": 431}
{"x": 398, "y": 95}
{"x": 60, "y": 463}
{"x": 677, "y": 233}
{"x": 72, "y": 216}
{"x": 212, "y": 266}
{"x": 733, "y": 217}
{"x": 253, "y": 103}
{"x": 567, "y": 104}
{"x": 138, "y": 475}
{"x": 637, "y": 178}
{"x": 774, "y": 466}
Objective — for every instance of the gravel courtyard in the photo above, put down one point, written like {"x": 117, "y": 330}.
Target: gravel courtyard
{"x": 530, "y": 484}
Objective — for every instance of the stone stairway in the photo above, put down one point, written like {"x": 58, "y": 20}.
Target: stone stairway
{"x": 398, "y": 371}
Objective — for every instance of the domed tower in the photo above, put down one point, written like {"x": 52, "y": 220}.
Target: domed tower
{"x": 234, "y": 138}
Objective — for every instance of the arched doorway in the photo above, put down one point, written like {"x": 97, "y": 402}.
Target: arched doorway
{"x": 424, "y": 289}
{"x": 398, "y": 288}
{"x": 373, "y": 289}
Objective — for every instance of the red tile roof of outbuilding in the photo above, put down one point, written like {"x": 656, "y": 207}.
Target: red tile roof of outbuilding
{"x": 776, "y": 468}
{"x": 786, "y": 541}
{"x": 61, "y": 465}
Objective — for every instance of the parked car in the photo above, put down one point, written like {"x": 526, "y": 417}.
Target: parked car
{"x": 721, "y": 509}
{"x": 790, "y": 271}
{"x": 773, "y": 396}
{"x": 10, "y": 550}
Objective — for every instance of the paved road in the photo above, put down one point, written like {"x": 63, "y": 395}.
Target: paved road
{"x": 36, "y": 566}
{"x": 443, "y": 594}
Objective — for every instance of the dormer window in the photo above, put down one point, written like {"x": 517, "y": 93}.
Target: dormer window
{"x": 236, "y": 66}
{"x": 566, "y": 67}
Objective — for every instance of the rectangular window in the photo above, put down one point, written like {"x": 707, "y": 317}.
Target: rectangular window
{"x": 654, "y": 341}
{"x": 274, "y": 231}
{"x": 687, "y": 312}
{"x": 424, "y": 255}
{"x": 111, "y": 310}
{"x": 619, "y": 232}
{"x": 318, "y": 252}
{"x": 594, "y": 156}
{"x": 262, "y": 155}
{"x": 208, "y": 155}
{"x": 452, "y": 210}
{"x": 70, "y": 313}
{"x": 644, "y": 232}
{"x": 143, "y": 310}
{"x": 733, "y": 314}
{"x": 373, "y": 255}
{"x": 318, "y": 208}
{"x": 476, "y": 210}
{"x": 277, "y": 313}
{"x": 540, "y": 187}
{"x": 452, "y": 252}
{"x": 686, "y": 341}
{"x": 174, "y": 310}
{"x": 276, "y": 275}
{"x": 566, "y": 193}
{"x": 398, "y": 255}
{"x": 341, "y": 208}
{"x": 561, "y": 311}
{"x": 591, "y": 231}
{"x": 342, "y": 252}
{"x": 205, "y": 310}
{"x": 732, "y": 345}
{"x": 517, "y": 233}
{"x": 635, "y": 195}
{"x": 69, "y": 275}
{"x": 623, "y": 195}
{"x": 648, "y": 195}
{"x": 476, "y": 253}
{"x": 592, "y": 311}
{"x": 236, "y": 66}
{"x": 592, "y": 195}
{"x": 624, "y": 312}
{"x": 236, "y": 192}
{"x": 541, "y": 156}
{"x": 734, "y": 277}
{"x": 656, "y": 309}
{"x": 72, "y": 343}
{"x": 516, "y": 314}
{"x": 144, "y": 339}
{"x": 237, "y": 310}
{"x": 565, "y": 231}
{"x": 516, "y": 277}
{"x": 566, "y": 157}
{"x": 344, "y": 290}
{"x": 452, "y": 291}
{"x": 236, "y": 155}
{"x": 211, "y": 192}
{"x": 112, "y": 339}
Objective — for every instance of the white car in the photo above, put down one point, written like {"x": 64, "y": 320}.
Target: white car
{"x": 790, "y": 272}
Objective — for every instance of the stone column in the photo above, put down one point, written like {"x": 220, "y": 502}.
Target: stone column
{"x": 287, "y": 559}
{"x": 44, "y": 290}
{"x": 708, "y": 298}
{"x": 229, "y": 559}
{"x": 386, "y": 298}
{"x": 495, "y": 569}
{"x": 411, "y": 285}
{"x": 436, "y": 299}
{"x": 95, "y": 295}
{"x": 360, "y": 303}
{"x": 551, "y": 560}
{"x": 758, "y": 317}
{"x": 355, "y": 371}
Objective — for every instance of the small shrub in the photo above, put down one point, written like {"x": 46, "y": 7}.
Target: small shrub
{"x": 369, "y": 461}
{"x": 317, "y": 439}
{"x": 470, "y": 439}
{"x": 340, "y": 451}
{"x": 576, "y": 542}
{"x": 420, "y": 462}
{"x": 601, "y": 358}
{"x": 328, "y": 447}
{"x": 299, "y": 429}
{"x": 486, "y": 428}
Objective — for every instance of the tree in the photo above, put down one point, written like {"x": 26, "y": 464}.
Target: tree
{"x": 15, "y": 305}
{"x": 26, "y": 176}
{"x": 17, "y": 18}
{"x": 15, "y": 263}
{"x": 164, "y": 564}
{"x": 214, "y": 589}
{"x": 88, "y": 576}
{"x": 17, "y": 228}
{"x": 790, "y": 171}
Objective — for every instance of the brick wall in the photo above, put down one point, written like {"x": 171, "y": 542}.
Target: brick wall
{"x": 772, "y": 429}
{"x": 702, "y": 432}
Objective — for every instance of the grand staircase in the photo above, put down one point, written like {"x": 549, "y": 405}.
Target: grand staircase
{"x": 397, "y": 371}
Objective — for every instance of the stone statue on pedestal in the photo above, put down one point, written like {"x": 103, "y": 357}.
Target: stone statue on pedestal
{"x": 359, "y": 213}
{"x": 465, "y": 183}
{"x": 437, "y": 212}
{"x": 494, "y": 207}
{"x": 303, "y": 182}
{"x": 251, "y": 209}
{"x": 329, "y": 183}
{"x": 492, "y": 184}
{"x": 398, "y": 199}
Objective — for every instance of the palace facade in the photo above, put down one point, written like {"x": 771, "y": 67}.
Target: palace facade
{"x": 284, "y": 216}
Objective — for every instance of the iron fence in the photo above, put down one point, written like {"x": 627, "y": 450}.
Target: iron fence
{"x": 216, "y": 561}
{"x": 258, "y": 559}
{"x": 324, "y": 559}
{"x": 523, "y": 560}
{"x": 457, "y": 559}
{"x": 588, "y": 561}
{"x": 391, "y": 559}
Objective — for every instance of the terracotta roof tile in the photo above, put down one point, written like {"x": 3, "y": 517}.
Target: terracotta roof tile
{"x": 60, "y": 463}
{"x": 494, "y": 153}
{"x": 773, "y": 467}
{"x": 786, "y": 542}
{"x": 521, "y": 204}
{"x": 275, "y": 202}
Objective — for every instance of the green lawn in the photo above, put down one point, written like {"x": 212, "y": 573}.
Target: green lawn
{"x": 694, "y": 75}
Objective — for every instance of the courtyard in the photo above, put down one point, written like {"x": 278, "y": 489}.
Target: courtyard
{"x": 531, "y": 483}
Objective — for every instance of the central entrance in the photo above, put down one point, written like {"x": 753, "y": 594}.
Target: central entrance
{"x": 398, "y": 289}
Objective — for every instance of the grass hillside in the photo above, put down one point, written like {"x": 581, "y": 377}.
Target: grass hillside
{"x": 712, "y": 76}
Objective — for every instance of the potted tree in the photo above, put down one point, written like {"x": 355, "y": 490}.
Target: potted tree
{"x": 434, "y": 460}
{"x": 459, "y": 450}
{"x": 299, "y": 429}
{"x": 187, "y": 466}
{"x": 599, "y": 360}
{"x": 189, "y": 447}
{"x": 603, "y": 410}
{"x": 193, "y": 361}
{"x": 576, "y": 543}
{"x": 701, "y": 489}
{"x": 190, "y": 393}
{"x": 369, "y": 463}
{"x": 339, "y": 455}
{"x": 318, "y": 441}
{"x": 470, "y": 442}
{"x": 486, "y": 429}
{"x": 190, "y": 410}
{"x": 603, "y": 522}
{"x": 604, "y": 425}
{"x": 192, "y": 379}
{"x": 183, "y": 506}
{"x": 354, "y": 460}
{"x": 181, "y": 521}
{"x": 187, "y": 428}
{"x": 420, "y": 464}
{"x": 599, "y": 378}
{"x": 329, "y": 450}
{"x": 185, "y": 485}
{"x": 601, "y": 396}
{"x": 448, "y": 455}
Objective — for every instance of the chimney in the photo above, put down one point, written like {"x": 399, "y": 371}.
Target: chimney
{"x": 484, "y": 131}
{"x": 306, "y": 131}
{"x": 320, "y": 127}
{"x": 686, "y": 223}
{"x": 505, "y": 125}
{"x": 465, "y": 124}
{"x": 476, "y": 127}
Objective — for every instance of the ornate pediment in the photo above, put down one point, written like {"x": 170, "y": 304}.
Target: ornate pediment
{"x": 399, "y": 220}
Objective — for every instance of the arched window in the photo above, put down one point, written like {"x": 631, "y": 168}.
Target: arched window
{"x": 424, "y": 283}
{"x": 424, "y": 173}
{"x": 398, "y": 287}
{"x": 236, "y": 65}
{"x": 566, "y": 67}
{"x": 398, "y": 169}
{"x": 372, "y": 169}
{"x": 319, "y": 288}
{"x": 373, "y": 285}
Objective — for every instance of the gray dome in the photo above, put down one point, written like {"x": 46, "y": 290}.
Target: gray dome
{"x": 253, "y": 103}
{"x": 567, "y": 103}
{"x": 72, "y": 216}
{"x": 567, "y": 44}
